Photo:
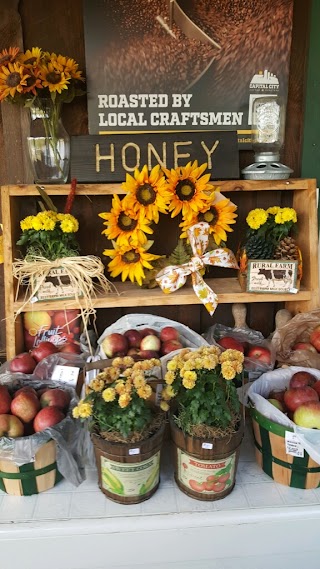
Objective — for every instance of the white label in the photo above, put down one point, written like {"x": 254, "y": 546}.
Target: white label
{"x": 207, "y": 445}
{"x": 293, "y": 445}
{"x": 66, "y": 374}
{"x": 134, "y": 451}
{"x": 206, "y": 476}
{"x": 293, "y": 290}
{"x": 34, "y": 299}
{"x": 130, "y": 479}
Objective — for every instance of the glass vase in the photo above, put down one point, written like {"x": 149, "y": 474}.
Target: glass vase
{"x": 48, "y": 143}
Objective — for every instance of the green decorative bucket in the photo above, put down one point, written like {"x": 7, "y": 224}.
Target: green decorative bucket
{"x": 269, "y": 439}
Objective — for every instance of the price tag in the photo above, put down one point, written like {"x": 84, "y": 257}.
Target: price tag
{"x": 134, "y": 451}
{"x": 293, "y": 445}
{"x": 66, "y": 374}
{"x": 207, "y": 445}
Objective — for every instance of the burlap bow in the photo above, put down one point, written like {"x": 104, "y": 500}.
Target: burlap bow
{"x": 174, "y": 277}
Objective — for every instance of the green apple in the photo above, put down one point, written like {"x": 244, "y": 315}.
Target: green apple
{"x": 277, "y": 404}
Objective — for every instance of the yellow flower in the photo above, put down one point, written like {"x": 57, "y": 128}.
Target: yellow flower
{"x": 109, "y": 394}
{"x": 13, "y": 79}
{"x": 168, "y": 392}
{"x": 31, "y": 57}
{"x": 130, "y": 261}
{"x": 219, "y": 216}
{"x": 8, "y": 55}
{"x": 69, "y": 224}
{"x": 144, "y": 392}
{"x": 188, "y": 189}
{"x": 124, "y": 400}
{"x": 120, "y": 387}
{"x": 147, "y": 193}
{"x": 188, "y": 375}
{"x": 169, "y": 377}
{"x": 27, "y": 223}
{"x": 97, "y": 385}
{"x": 230, "y": 355}
{"x": 228, "y": 371}
{"x": 164, "y": 406}
{"x": 285, "y": 214}
{"x": 172, "y": 365}
{"x": 139, "y": 381}
{"x": 188, "y": 383}
{"x": 256, "y": 218}
{"x": 273, "y": 210}
{"x": 85, "y": 410}
{"x": 125, "y": 224}
{"x": 75, "y": 413}
{"x": 53, "y": 77}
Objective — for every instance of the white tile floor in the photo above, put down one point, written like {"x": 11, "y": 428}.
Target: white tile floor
{"x": 253, "y": 490}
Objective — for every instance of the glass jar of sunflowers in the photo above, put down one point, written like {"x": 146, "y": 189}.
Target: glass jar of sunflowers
{"x": 42, "y": 81}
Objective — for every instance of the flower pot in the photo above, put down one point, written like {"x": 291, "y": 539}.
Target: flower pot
{"x": 48, "y": 143}
{"x": 129, "y": 473}
{"x": 205, "y": 469}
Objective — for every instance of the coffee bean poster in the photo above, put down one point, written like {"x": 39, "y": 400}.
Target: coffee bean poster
{"x": 184, "y": 65}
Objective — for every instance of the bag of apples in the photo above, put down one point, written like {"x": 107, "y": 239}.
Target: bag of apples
{"x": 285, "y": 409}
{"x": 37, "y": 435}
{"x": 298, "y": 341}
{"x": 259, "y": 354}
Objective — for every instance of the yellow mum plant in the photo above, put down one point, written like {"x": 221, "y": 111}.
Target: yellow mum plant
{"x": 117, "y": 401}
{"x": 201, "y": 384}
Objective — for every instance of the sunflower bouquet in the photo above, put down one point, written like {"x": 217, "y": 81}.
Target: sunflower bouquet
{"x": 117, "y": 401}
{"x": 201, "y": 384}
{"x": 184, "y": 193}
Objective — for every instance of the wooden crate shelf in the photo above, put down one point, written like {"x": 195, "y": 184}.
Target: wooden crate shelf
{"x": 304, "y": 200}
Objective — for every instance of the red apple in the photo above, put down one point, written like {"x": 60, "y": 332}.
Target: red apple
{"x": 276, "y": 403}
{"x": 150, "y": 342}
{"x": 43, "y": 350}
{"x": 301, "y": 379}
{"x": 230, "y": 343}
{"x": 23, "y": 363}
{"x": 25, "y": 406}
{"x": 70, "y": 348}
{"x": 134, "y": 338}
{"x": 148, "y": 354}
{"x": 61, "y": 318}
{"x": 315, "y": 338}
{"x": 260, "y": 354}
{"x": 11, "y": 426}
{"x": 47, "y": 417}
{"x": 115, "y": 345}
{"x": 147, "y": 331}
{"x": 170, "y": 346}
{"x": 55, "y": 398}
{"x": 26, "y": 389}
{"x": 303, "y": 346}
{"x": 5, "y": 399}
{"x": 316, "y": 387}
{"x": 308, "y": 415}
{"x": 279, "y": 395}
{"x": 169, "y": 333}
{"x": 295, "y": 397}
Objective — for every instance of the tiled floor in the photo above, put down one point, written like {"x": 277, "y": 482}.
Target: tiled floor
{"x": 253, "y": 490}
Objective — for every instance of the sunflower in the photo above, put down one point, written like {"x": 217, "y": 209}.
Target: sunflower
{"x": 147, "y": 193}
{"x": 219, "y": 215}
{"x": 130, "y": 260}
{"x": 53, "y": 77}
{"x": 31, "y": 57}
{"x": 188, "y": 189}
{"x": 8, "y": 55}
{"x": 124, "y": 224}
{"x": 33, "y": 81}
{"x": 69, "y": 66}
{"x": 12, "y": 80}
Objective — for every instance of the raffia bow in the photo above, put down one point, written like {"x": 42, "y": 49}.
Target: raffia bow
{"x": 174, "y": 277}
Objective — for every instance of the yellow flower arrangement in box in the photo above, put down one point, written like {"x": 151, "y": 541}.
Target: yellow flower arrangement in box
{"x": 117, "y": 401}
{"x": 201, "y": 384}
{"x": 184, "y": 191}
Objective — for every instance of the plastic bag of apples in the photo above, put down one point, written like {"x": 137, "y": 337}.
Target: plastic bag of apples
{"x": 32, "y": 413}
{"x": 297, "y": 343}
{"x": 259, "y": 354}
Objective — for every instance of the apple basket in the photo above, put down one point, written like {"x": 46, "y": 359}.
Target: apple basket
{"x": 288, "y": 453}
{"x": 34, "y": 463}
{"x": 297, "y": 343}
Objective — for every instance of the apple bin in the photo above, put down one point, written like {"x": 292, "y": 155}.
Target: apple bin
{"x": 36, "y": 462}
{"x": 288, "y": 453}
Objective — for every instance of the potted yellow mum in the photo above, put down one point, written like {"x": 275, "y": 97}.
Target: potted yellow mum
{"x": 126, "y": 429}
{"x": 206, "y": 419}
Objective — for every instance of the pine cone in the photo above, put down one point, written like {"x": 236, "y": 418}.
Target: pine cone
{"x": 287, "y": 249}
{"x": 257, "y": 248}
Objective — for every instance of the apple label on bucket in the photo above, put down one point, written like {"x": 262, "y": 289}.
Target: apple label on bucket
{"x": 293, "y": 445}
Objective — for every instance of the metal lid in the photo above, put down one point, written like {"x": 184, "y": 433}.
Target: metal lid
{"x": 266, "y": 171}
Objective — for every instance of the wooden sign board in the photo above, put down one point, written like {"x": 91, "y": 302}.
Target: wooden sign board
{"x": 108, "y": 158}
{"x": 272, "y": 276}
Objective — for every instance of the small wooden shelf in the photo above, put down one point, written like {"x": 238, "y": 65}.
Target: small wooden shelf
{"x": 129, "y": 295}
{"x": 304, "y": 200}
